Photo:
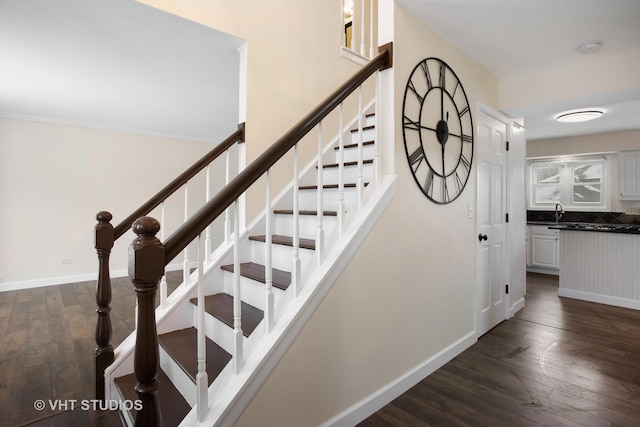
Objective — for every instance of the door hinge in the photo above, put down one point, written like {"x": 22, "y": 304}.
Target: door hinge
{"x": 506, "y": 289}
{"x": 507, "y": 145}
{"x": 506, "y": 217}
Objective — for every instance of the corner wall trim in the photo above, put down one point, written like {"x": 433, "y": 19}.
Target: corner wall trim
{"x": 375, "y": 401}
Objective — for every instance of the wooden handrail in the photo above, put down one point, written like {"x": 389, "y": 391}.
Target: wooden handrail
{"x": 173, "y": 186}
{"x": 232, "y": 191}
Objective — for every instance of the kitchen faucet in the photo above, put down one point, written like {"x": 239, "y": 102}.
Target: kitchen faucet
{"x": 559, "y": 212}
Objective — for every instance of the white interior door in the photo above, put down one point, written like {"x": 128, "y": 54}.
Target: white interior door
{"x": 491, "y": 271}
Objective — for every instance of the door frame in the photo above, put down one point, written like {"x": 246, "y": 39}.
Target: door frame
{"x": 483, "y": 108}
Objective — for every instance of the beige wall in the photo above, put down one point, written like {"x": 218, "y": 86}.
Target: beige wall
{"x": 293, "y": 65}
{"x": 586, "y": 144}
{"x": 54, "y": 178}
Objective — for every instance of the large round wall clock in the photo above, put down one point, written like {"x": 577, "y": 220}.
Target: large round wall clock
{"x": 438, "y": 130}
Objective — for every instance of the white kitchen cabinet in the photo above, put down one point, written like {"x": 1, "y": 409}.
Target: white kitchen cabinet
{"x": 545, "y": 248}
{"x": 629, "y": 175}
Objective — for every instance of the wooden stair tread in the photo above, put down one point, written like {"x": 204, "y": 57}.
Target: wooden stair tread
{"x": 354, "y": 163}
{"x": 278, "y": 239}
{"x": 182, "y": 346}
{"x": 330, "y": 186}
{"x": 281, "y": 279}
{"x": 290, "y": 212}
{"x": 348, "y": 146}
{"x": 363, "y": 128}
{"x": 173, "y": 407}
{"x": 220, "y": 306}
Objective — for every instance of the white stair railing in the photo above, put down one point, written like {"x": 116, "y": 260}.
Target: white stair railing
{"x": 238, "y": 356}
{"x": 202, "y": 379}
{"x": 320, "y": 212}
{"x": 296, "y": 263}
{"x": 341, "y": 204}
{"x": 269, "y": 315}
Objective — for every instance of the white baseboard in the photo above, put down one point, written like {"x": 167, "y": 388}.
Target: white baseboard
{"x": 76, "y": 278}
{"x": 515, "y": 307}
{"x": 599, "y": 298}
{"x": 375, "y": 401}
{"x": 554, "y": 272}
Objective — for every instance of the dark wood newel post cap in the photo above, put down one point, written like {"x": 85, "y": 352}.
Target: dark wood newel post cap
{"x": 104, "y": 231}
{"x": 146, "y": 253}
{"x": 104, "y": 216}
{"x": 146, "y": 226}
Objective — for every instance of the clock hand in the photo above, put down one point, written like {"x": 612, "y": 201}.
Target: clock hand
{"x": 443, "y": 171}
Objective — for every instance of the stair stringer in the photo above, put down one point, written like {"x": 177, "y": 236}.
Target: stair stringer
{"x": 230, "y": 393}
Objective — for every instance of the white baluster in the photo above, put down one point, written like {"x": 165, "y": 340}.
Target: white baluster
{"x": 341, "y": 207}
{"x": 268, "y": 273}
{"x": 242, "y": 200}
{"x": 362, "y": 17}
{"x": 353, "y": 27}
{"x": 371, "y": 53}
{"x": 320, "y": 230}
{"x": 360, "y": 182}
{"x": 227, "y": 225}
{"x": 376, "y": 138}
{"x": 202, "y": 380}
{"x": 296, "y": 268}
{"x": 207, "y": 243}
{"x": 163, "y": 281}
{"x": 185, "y": 265}
{"x": 238, "y": 358}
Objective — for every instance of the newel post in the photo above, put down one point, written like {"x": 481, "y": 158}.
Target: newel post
{"x": 146, "y": 268}
{"x": 103, "y": 354}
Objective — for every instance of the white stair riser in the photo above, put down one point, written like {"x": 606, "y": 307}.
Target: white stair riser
{"x": 331, "y": 175}
{"x": 281, "y": 255}
{"x": 251, "y": 291}
{"x": 178, "y": 377}
{"x": 351, "y": 153}
{"x": 308, "y": 225}
{"x": 216, "y": 330}
{"x": 309, "y": 198}
{"x": 367, "y": 135}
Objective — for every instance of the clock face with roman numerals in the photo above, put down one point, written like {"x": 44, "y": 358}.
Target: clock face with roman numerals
{"x": 438, "y": 130}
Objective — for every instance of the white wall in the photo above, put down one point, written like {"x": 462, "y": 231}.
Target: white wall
{"x": 586, "y": 144}
{"x": 54, "y": 179}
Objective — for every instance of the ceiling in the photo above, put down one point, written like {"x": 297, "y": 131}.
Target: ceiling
{"x": 117, "y": 64}
{"x": 521, "y": 37}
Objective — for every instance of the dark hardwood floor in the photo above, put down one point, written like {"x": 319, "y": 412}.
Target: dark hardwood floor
{"x": 46, "y": 350}
{"x": 558, "y": 362}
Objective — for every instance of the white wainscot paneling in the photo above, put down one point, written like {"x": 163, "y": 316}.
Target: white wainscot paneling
{"x": 600, "y": 267}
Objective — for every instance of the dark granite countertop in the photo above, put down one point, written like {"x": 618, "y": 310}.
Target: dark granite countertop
{"x": 603, "y": 228}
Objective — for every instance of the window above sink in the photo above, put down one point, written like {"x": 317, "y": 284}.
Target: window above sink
{"x": 580, "y": 184}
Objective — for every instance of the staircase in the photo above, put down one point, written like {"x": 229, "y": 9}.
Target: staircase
{"x": 201, "y": 356}
{"x": 178, "y": 325}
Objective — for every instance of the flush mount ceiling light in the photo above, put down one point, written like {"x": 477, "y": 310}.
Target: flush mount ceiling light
{"x": 578, "y": 116}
